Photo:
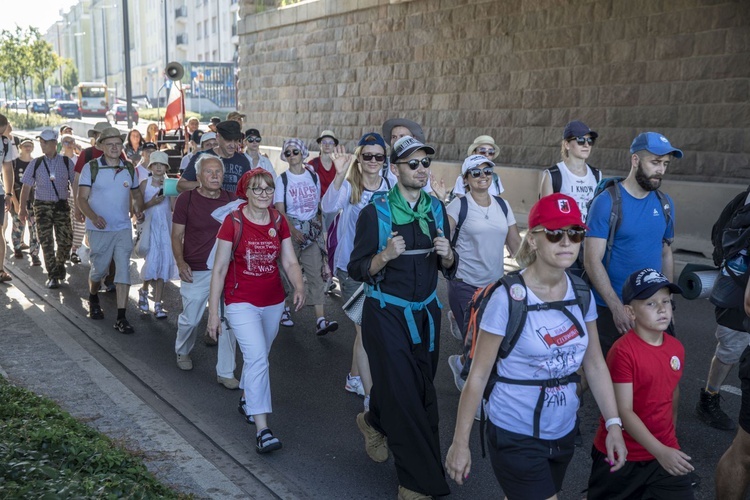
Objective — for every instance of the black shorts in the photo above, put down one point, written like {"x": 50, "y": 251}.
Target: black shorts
{"x": 635, "y": 480}
{"x": 528, "y": 468}
{"x": 745, "y": 385}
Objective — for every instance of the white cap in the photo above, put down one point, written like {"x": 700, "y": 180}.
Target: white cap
{"x": 208, "y": 136}
{"x": 48, "y": 134}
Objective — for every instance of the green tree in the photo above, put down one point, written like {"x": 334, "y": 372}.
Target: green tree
{"x": 44, "y": 61}
{"x": 70, "y": 75}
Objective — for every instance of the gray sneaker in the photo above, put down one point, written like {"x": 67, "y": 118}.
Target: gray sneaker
{"x": 184, "y": 362}
{"x": 456, "y": 367}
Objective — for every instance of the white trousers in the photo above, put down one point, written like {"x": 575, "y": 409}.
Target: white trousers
{"x": 255, "y": 329}
{"x": 194, "y": 301}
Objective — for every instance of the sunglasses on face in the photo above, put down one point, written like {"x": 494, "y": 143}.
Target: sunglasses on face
{"x": 485, "y": 151}
{"x": 294, "y": 152}
{"x": 370, "y": 156}
{"x": 68, "y": 143}
{"x": 583, "y": 140}
{"x": 254, "y": 139}
{"x": 257, "y": 191}
{"x": 575, "y": 234}
{"x": 476, "y": 172}
{"x": 327, "y": 143}
{"x": 414, "y": 164}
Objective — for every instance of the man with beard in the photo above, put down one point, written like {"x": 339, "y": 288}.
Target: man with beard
{"x": 642, "y": 237}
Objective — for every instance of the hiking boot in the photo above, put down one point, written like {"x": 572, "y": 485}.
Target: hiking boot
{"x": 456, "y": 367}
{"x": 184, "y": 362}
{"x": 266, "y": 442}
{"x": 709, "y": 411}
{"x": 375, "y": 444}
{"x": 354, "y": 385}
{"x": 455, "y": 328}
{"x": 230, "y": 383}
{"x": 95, "y": 311}
{"x": 325, "y": 326}
{"x": 143, "y": 300}
{"x": 242, "y": 408}
{"x": 407, "y": 494}
{"x": 122, "y": 326}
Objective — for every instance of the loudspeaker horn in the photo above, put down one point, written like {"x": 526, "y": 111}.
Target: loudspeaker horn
{"x": 174, "y": 71}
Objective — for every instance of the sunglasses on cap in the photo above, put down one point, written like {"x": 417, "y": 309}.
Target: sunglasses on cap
{"x": 370, "y": 156}
{"x": 476, "y": 172}
{"x": 583, "y": 140}
{"x": 575, "y": 234}
{"x": 254, "y": 139}
{"x": 414, "y": 164}
{"x": 294, "y": 152}
{"x": 485, "y": 151}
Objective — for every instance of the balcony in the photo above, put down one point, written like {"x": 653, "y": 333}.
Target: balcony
{"x": 182, "y": 39}
{"x": 180, "y": 13}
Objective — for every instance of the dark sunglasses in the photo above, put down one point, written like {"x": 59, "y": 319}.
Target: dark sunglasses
{"x": 294, "y": 152}
{"x": 485, "y": 151}
{"x": 253, "y": 139}
{"x": 414, "y": 164}
{"x": 476, "y": 172}
{"x": 370, "y": 156}
{"x": 575, "y": 234}
{"x": 583, "y": 140}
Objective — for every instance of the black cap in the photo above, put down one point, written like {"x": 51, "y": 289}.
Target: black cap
{"x": 644, "y": 283}
{"x": 229, "y": 130}
{"x": 252, "y": 132}
{"x": 150, "y": 145}
{"x": 196, "y": 137}
{"x": 215, "y": 120}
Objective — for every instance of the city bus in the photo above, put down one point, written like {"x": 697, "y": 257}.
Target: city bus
{"x": 93, "y": 98}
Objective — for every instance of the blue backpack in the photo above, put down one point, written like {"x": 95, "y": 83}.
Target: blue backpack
{"x": 385, "y": 224}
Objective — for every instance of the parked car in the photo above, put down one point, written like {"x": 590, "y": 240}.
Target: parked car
{"x": 117, "y": 114}
{"x": 38, "y": 106}
{"x": 68, "y": 109}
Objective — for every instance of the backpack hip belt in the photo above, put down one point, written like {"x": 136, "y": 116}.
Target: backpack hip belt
{"x": 543, "y": 385}
{"x": 409, "y": 307}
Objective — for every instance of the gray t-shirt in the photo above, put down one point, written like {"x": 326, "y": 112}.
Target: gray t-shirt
{"x": 110, "y": 195}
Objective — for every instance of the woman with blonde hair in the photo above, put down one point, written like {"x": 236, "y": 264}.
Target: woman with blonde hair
{"x": 357, "y": 178}
{"x": 152, "y": 133}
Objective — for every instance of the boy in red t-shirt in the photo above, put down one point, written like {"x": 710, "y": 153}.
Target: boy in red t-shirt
{"x": 646, "y": 367}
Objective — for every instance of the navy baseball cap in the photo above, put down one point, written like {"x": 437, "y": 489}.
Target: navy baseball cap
{"x": 654, "y": 143}
{"x": 644, "y": 283}
{"x": 578, "y": 129}
{"x": 372, "y": 139}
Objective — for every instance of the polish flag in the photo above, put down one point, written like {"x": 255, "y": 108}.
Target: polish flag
{"x": 173, "y": 116}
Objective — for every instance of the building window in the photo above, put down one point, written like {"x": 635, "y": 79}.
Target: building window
{"x": 213, "y": 25}
{"x": 198, "y": 31}
{"x": 214, "y": 56}
{"x": 205, "y": 29}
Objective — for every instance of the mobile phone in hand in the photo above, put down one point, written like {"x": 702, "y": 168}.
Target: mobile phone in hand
{"x": 161, "y": 192}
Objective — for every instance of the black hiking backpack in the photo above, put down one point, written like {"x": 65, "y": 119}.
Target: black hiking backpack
{"x": 730, "y": 234}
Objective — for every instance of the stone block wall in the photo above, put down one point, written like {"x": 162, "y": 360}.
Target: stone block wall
{"x": 514, "y": 69}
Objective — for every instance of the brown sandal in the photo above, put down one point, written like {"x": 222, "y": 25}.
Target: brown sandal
{"x": 5, "y": 277}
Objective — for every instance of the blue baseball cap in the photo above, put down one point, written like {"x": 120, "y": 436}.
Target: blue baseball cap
{"x": 645, "y": 283}
{"x": 577, "y": 128}
{"x": 654, "y": 143}
{"x": 372, "y": 139}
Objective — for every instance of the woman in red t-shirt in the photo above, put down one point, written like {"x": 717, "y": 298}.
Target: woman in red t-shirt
{"x": 246, "y": 271}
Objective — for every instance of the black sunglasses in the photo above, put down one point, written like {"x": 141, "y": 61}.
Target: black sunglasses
{"x": 476, "y": 172}
{"x": 575, "y": 234}
{"x": 414, "y": 164}
{"x": 253, "y": 139}
{"x": 583, "y": 140}
{"x": 294, "y": 152}
{"x": 370, "y": 156}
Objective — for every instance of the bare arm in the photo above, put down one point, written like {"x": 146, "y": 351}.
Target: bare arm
{"x": 178, "y": 238}
{"x": 667, "y": 261}
{"x": 186, "y": 185}
{"x": 545, "y": 187}
{"x": 593, "y": 254}
{"x": 23, "y": 213}
{"x": 293, "y": 271}
{"x": 513, "y": 240}
{"x": 296, "y": 233}
{"x": 218, "y": 275}
{"x": 8, "y": 180}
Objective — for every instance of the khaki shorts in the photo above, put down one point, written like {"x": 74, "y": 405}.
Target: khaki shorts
{"x": 107, "y": 246}
{"x": 347, "y": 285}
{"x": 731, "y": 344}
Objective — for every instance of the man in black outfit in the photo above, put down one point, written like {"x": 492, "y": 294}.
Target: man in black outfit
{"x": 401, "y": 321}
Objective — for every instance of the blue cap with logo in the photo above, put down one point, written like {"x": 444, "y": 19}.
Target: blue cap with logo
{"x": 372, "y": 139}
{"x": 654, "y": 143}
{"x": 644, "y": 284}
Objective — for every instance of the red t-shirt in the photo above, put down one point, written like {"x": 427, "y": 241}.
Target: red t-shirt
{"x": 255, "y": 264}
{"x": 83, "y": 159}
{"x": 325, "y": 176}
{"x": 654, "y": 372}
{"x": 193, "y": 211}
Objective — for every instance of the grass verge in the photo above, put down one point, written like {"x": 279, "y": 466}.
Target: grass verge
{"x": 46, "y": 453}
{"x": 31, "y": 121}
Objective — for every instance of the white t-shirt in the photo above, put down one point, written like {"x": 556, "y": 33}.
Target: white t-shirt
{"x": 185, "y": 161}
{"x": 481, "y": 241}
{"x": 110, "y": 195}
{"x": 335, "y": 200}
{"x": 7, "y": 155}
{"x": 580, "y": 189}
{"x": 263, "y": 163}
{"x": 549, "y": 347}
{"x": 459, "y": 189}
{"x": 302, "y": 195}
{"x": 141, "y": 173}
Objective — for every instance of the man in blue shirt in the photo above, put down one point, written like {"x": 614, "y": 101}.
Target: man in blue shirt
{"x": 643, "y": 236}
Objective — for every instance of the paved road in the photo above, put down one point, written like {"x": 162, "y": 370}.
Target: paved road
{"x": 323, "y": 455}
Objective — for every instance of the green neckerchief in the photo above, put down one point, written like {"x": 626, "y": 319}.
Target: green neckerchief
{"x": 402, "y": 213}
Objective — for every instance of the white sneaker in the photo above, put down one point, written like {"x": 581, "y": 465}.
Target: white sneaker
{"x": 455, "y": 328}
{"x": 354, "y": 385}
{"x": 457, "y": 367}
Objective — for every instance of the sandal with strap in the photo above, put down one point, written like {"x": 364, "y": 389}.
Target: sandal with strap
{"x": 325, "y": 326}
{"x": 286, "y": 317}
{"x": 266, "y": 442}
{"x": 5, "y": 277}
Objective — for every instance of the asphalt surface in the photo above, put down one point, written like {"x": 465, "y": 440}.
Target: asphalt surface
{"x": 323, "y": 454}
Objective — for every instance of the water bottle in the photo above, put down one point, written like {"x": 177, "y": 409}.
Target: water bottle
{"x": 737, "y": 264}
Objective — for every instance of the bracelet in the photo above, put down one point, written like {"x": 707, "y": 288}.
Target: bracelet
{"x": 613, "y": 421}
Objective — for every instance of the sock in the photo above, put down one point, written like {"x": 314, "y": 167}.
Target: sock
{"x": 322, "y": 318}
{"x": 93, "y": 298}
{"x": 121, "y": 313}
{"x": 712, "y": 390}
{"x": 257, "y": 434}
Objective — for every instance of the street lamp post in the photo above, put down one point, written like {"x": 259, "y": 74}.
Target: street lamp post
{"x": 128, "y": 88}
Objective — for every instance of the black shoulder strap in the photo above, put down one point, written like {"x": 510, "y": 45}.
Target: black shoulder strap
{"x": 517, "y": 312}
{"x": 582, "y": 292}
{"x": 462, "y": 211}
{"x": 615, "y": 217}
{"x": 503, "y": 204}
{"x": 284, "y": 182}
{"x": 556, "y": 177}
{"x": 597, "y": 173}
{"x": 667, "y": 209}
{"x": 37, "y": 162}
